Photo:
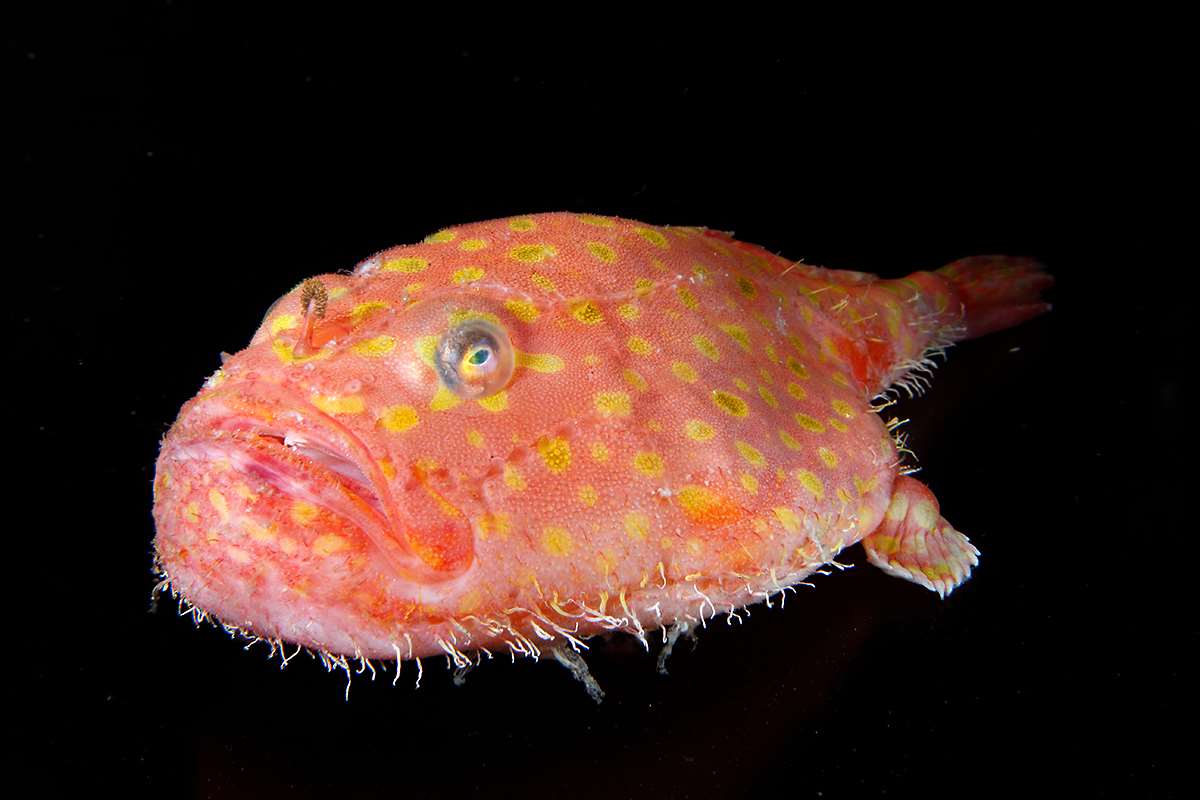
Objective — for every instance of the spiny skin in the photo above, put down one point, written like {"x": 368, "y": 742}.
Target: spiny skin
{"x": 687, "y": 430}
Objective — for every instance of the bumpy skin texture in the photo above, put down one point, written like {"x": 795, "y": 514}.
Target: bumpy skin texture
{"x": 687, "y": 430}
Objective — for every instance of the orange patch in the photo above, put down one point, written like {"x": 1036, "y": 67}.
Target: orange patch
{"x": 705, "y": 507}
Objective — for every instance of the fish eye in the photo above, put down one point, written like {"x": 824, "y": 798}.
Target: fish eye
{"x": 475, "y": 359}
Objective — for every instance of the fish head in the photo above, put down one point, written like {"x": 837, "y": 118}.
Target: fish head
{"x": 346, "y": 465}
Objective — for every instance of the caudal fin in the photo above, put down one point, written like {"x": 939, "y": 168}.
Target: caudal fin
{"x": 998, "y": 291}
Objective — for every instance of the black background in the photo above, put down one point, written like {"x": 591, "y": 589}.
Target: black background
{"x": 177, "y": 169}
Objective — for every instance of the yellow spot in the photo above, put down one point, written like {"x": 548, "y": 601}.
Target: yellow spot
{"x": 472, "y": 245}
{"x": 643, "y": 287}
{"x": 613, "y": 404}
{"x": 788, "y": 441}
{"x": 684, "y": 371}
{"x": 408, "y": 265}
{"x": 556, "y": 541}
{"x": 925, "y": 514}
{"x": 639, "y": 346}
{"x": 844, "y": 496}
{"x": 634, "y": 379}
{"x": 283, "y": 322}
{"x": 556, "y": 453}
{"x": 467, "y": 275}
{"x": 522, "y": 224}
{"x": 843, "y": 408}
{"x": 828, "y": 456}
{"x": 700, "y": 504}
{"x": 426, "y": 349}
{"x": 810, "y": 482}
{"x": 730, "y": 403}
{"x": 587, "y": 495}
{"x": 771, "y": 354}
{"x": 602, "y": 252}
{"x": 695, "y": 547}
{"x": 543, "y": 283}
{"x": 495, "y": 403}
{"x": 599, "y": 452}
{"x": 469, "y": 602}
{"x": 738, "y": 334}
{"x": 337, "y": 292}
{"x": 443, "y": 399}
{"x": 462, "y": 315}
{"x": 654, "y": 425}
{"x": 838, "y": 425}
{"x": 752, "y": 455}
{"x": 687, "y": 298}
{"x": 441, "y": 237}
{"x": 363, "y": 310}
{"x": 329, "y": 543}
{"x": 798, "y": 368}
{"x": 219, "y": 503}
{"x": 866, "y": 518}
{"x": 475, "y": 438}
{"x": 540, "y": 362}
{"x": 797, "y": 391}
{"x": 706, "y": 348}
{"x": 767, "y": 397}
{"x": 287, "y": 355}
{"x": 332, "y": 404}
{"x": 898, "y": 507}
{"x": 599, "y": 222}
{"x": 387, "y": 468}
{"x": 413, "y": 288}
{"x": 629, "y": 312}
{"x": 787, "y": 518}
{"x": 191, "y": 512}
{"x": 741, "y": 384}
{"x": 746, "y": 287}
{"x": 698, "y": 430}
{"x": 865, "y": 486}
{"x": 809, "y": 423}
{"x": 637, "y": 526}
{"x": 399, "y": 419}
{"x": 513, "y": 478}
{"x": 586, "y": 312}
{"x": 650, "y": 464}
{"x": 532, "y": 253}
{"x": 239, "y": 555}
{"x": 840, "y": 378}
{"x": 259, "y": 533}
{"x": 653, "y": 237}
{"x": 498, "y": 523}
{"x": 303, "y": 513}
{"x": 522, "y": 310}
{"x": 749, "y": 482}
{"x": 376, "y": 347}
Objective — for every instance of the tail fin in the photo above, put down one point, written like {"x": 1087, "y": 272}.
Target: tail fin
{"x": 998, "y": 291}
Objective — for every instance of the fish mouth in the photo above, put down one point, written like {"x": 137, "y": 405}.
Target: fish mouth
{"x": 281, "y": 441}
{"x": 278, "y": 452}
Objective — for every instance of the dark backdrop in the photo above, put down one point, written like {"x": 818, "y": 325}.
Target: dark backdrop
{"x": 176, "y": 170}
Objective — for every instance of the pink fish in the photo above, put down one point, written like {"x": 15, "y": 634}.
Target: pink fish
{"x": 522, "y": 433}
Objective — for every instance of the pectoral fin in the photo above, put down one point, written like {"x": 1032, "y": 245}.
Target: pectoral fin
{"x": 916, "y": 543}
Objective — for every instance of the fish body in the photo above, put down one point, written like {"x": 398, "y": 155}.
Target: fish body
{"x": 524, "y": 432}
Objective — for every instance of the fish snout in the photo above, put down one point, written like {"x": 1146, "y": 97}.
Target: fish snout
{"x": 269, "y": 512}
